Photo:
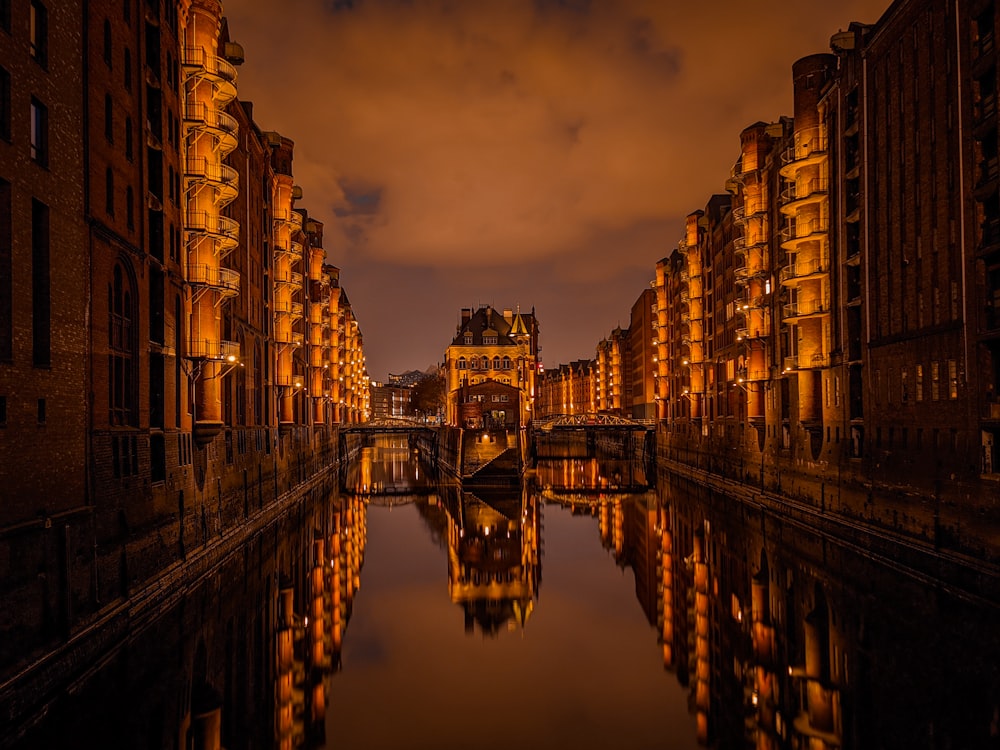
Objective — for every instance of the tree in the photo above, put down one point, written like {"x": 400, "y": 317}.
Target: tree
{"x": 427, "y": 396}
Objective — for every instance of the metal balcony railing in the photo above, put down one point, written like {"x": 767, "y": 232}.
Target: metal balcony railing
{"x": 219, "y": 350}
{"x": 803, "y": 269}
{"x": 195, "y": 58}
{"x": 806, "y": 308}
{"x": 224, "y": 280}
{"x": 202, "y": 113}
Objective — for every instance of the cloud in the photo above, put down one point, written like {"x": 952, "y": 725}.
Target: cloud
{"x": 451, "y": 134}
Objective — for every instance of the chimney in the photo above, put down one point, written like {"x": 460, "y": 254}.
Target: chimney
{"x": 466, "y": 315}
{"x": 508, "y": 315}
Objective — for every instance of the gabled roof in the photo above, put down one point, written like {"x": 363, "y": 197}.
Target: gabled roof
{"x": 487, "y": 322}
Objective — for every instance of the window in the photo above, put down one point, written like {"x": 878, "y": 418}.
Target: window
{"x": 3, "y": 411}
{"x": 489, "y": 339}
{"x": 474, "y": 363}
{"x": 41, "y": 308}
{"x": 506, "y": 363}
{"x": 461, "y": 363}
{"x": 39, "y": 133}
{"x": 107, "y": 42}
{"x": 6, "y": 274}
{"x": 496, "y": 363}
{"x": 122, "y": 347}
{"x": 128, "y": 69}
{"x": 4, "y": 104}
{"x": 128, "y": 138}
{"x": 5, "y": 15}
{"x": 109, "y": 123}
{"x": 41, "y": 411}
{"x": 919, "y": 384}
{"x": 38, "y": 32}
{"x": 109, "y": 192}
{"x": 935, "y": 381}
{"x": 952, "y": 379}
{"x": 130, "y": 207}
{"x": 127, "y": 11}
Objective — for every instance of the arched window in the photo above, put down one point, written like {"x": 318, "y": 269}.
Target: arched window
{"x": 461, "y": 363}
{"x": 130, "y": 207}
{"x": 122, "y": 350}
{"x": 506, "y": 363}
{"x": 496, "y": 363}
{"x": 128, "y": 138}
{"x": 474, "y": 363}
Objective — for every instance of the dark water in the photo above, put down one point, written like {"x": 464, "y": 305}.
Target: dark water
{"x": 564, "y": 613}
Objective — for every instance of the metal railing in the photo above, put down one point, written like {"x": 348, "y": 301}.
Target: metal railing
{"x": 220, "y": 350}
{"x": 197, "y": 57}
{"x": 224, "y": 280}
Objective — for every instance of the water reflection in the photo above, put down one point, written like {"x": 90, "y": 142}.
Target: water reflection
{"x": 493, "y": 556}
{"x": 672, "y": 617}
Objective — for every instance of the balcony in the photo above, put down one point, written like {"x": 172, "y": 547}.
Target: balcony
{"x": 216, "y": 350}
{"x": 287, "y": 216}
{"x": 223, "y": 178}
{"x": 291, "y": 278}
{"x": 796, "y": 196}
{"x": 808, "y": 148}
{"x": 806, "y": 309}
{"x": 225, "y": 281}
{"x": 793, "y": 235}
{"x": 803, "y": 270}
{"x": 198, "y": 63}
{"x": 289, "y": 337}
{"x": 208, "y": 118}
{"x": 225, "y": 231}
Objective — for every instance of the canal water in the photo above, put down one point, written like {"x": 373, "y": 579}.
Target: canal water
{"x": 575, "y": 610}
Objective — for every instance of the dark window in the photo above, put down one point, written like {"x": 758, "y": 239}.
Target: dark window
{"x": 41, "y": 411}
{"x": 38, "y": 32}
{"x": 6, "y": 276}
{"x": 109, "y": 192}
{"x": 3, "y": 411}
{"x": 41, "y": 307}
{"x": 123, "y": 349}
{"x": 4, "y": 104}
{"x": 128, "y": 138}
{"x": 5, "y": 15}
{"x": 109, "y": 119}
{"x": 130, "y": 207}
{"x": 128, "y": 69}
{"x": 107, "y": 42}
{"x": 39, "y": 132}
{"x": 127, "y": 11}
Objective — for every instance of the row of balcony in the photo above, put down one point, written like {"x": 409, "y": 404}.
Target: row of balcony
{"x": 287, "y": 216}
{"x": 292, "y": 309}
{"x": 293, "y": 338}
{"x": 209, "y": 118}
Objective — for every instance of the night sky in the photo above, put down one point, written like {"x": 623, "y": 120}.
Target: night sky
{"x": 514, "y": 152}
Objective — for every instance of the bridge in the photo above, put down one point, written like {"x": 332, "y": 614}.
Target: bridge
{"x": 583, "y": 435}
{"x": 590, "y": 421}
{"x": 388, "y": 425}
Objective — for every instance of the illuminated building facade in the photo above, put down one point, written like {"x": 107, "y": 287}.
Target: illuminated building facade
{"x": 831, "y": 316}
{"x": 613, "y": 376}
{"x": 188, "y": 347}
{"x": 493, "y": 346}
{"x": 568, "y": 389}
{"x": 640, "y": 398}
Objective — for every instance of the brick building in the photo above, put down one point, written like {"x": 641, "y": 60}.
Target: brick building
{"x": 184, "y": 358}
{"x": 833, "y": 313}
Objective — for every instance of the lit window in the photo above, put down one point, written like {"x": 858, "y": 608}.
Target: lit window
{"x": 38, "y": 32}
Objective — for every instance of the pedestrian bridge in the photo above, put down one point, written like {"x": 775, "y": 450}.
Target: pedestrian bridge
{"x": 590, "y": 422}
{"x": 387, "y": 426}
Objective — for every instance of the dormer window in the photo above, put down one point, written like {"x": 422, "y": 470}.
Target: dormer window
{"x": 489, "y": 339}
{"x": 468, "y": 338}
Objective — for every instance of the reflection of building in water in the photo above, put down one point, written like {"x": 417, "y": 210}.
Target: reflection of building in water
{"x": 766, "y": 649}
{"x": 308, "y": 645}
{"x": 494, "y": 556}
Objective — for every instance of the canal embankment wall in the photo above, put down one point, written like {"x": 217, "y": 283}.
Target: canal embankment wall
{"x": 944, "y": 515}
{"x": 75, "y": 586}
